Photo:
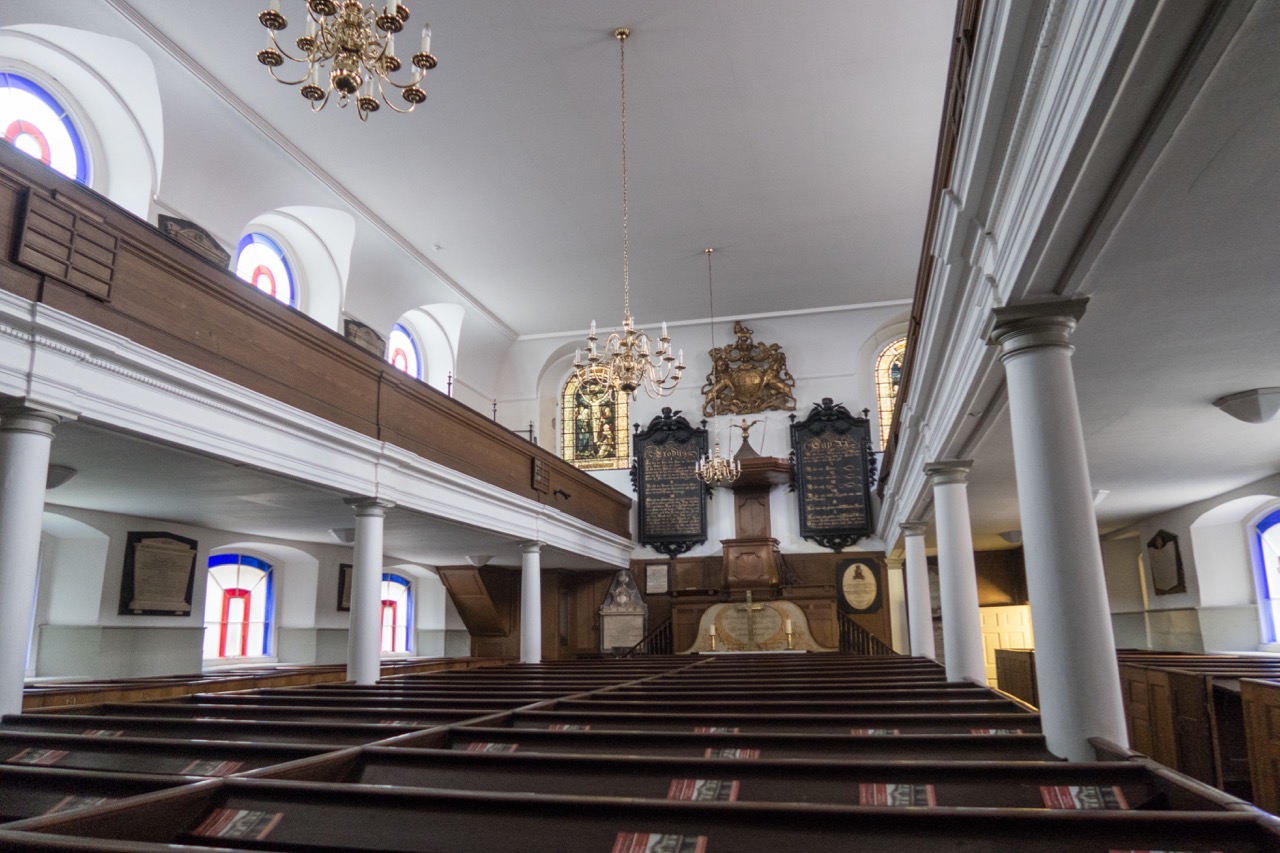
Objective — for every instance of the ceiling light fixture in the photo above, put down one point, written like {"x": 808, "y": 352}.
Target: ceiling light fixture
{"x": 628, "y": 360}
{"x": 715, "y": 470}
{"x": 357, "y": 44}
{"x": 1255, "y": 406}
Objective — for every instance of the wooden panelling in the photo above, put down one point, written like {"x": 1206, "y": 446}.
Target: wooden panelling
{"x": 66, "y": 242}
{"x": 80, "y": 254}
{"x": 1016, "y": 674}
{"x": 481, "y": 613}
{"x": 1261, "y": 700}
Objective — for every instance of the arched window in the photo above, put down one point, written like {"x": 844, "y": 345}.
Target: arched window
{"x": 888, "y": 375}
{"x": 397, "y": 614}
{"x": 261, "y": 262}
{"x": 32, "y": 121}
{"x": 1267, "y": 547}
{"x": 593, "y": 425}
{"x": 402, "y": 351}
{"x": 238, "y": 605}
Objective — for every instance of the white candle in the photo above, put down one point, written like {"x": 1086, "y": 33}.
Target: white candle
{"x": 274, "y": 5}
{"x": 680, "y": 360}
{"x": 788, "y": 624}
{"x": 593, "y": 328}
{"x": 392, "y": 6}
{"x": 311, "y": 26}
{"x": 426, "y": 38}
{"x": 664, "y": 330}
{"x": 711, "y": 632}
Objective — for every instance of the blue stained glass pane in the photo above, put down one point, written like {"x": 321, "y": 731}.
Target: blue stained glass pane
{"x": 402, "y": 351}
{"x": 261, "y": 262}
{"x": 35, "y": 123}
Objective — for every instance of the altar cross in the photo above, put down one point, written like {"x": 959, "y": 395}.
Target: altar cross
{"x": 751, "y": 610}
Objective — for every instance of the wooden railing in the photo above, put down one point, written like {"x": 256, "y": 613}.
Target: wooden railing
{"x": 856, "y": 640}
{"x": 656, "y": 642}
{"x": 77, "y": 252}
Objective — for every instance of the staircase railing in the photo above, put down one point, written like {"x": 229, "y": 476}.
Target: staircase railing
{"x": 656, "y": 642}
{"x": 856, "y": 640}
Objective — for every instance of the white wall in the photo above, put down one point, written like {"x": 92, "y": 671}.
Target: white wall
{"x": 808, "y": 340}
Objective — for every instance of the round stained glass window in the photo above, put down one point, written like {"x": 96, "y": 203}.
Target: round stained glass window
{"x": 402, "y": 351}
{"x": 262, "y": 263}
{"x": 36, "y": 124}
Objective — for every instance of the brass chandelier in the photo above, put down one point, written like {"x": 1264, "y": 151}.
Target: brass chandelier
{"x": 629, "y": 360}
{"x": 715, "y": 470}
{"x": 356, "y": 43}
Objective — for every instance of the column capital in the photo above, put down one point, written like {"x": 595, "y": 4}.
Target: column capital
{"x": 948, "y": 471}
{"x": 913, "y": 528}
{"x": 1029, "y": 325}
{"x": 532, "y": 547}
{"x": 364, "y": 507}
{"x": 16, "y": 417}
{"x": 895, "y": 564}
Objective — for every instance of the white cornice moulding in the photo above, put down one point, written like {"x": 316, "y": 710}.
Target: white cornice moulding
{"x": 728, "y": 318}
{"x": 113, "y": 381}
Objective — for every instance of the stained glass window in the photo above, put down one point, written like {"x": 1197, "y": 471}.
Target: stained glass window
{"x": 397, "y": 614}
{"x": 888, "y": 375}
{"x": 402, "y": 351}
{"x": 262, "y": 263}
{"x": 36, "y": 124}
{"x": 238, "y": 605}
{"x": 593, "y": 425}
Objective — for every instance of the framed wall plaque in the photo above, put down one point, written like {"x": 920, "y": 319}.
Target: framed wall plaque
{"x": 1164, "y": 558}
{"x": 858, "y": 586}
{"x": 159, "y": 574}
{"x": 831, "y": 451}
{"x": 657, "y": 578}
{"x": 672, "y": 500}
{"x": 344, "y": 587}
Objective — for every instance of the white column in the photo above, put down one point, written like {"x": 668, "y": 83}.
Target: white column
{"x": 25, "y": 437}
{"x": 531, "y": 602}
{"x": 919, "y": 603}
{"x": 364, "y": 635}
{"x": 1076, "y": 665}
{"x": 957, "y": 575}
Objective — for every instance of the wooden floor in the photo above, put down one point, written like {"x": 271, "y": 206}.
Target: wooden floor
{"x": 707, "y": 753}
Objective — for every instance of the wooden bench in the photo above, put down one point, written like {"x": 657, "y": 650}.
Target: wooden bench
{"x": 33, "y": 791}
{"x": 689, "y": 744}
{"x": 249, "y": 730}
{"x": 147, "y": 755}
{"x": 301, "y": 816}
{"x": 1132, "y": 784}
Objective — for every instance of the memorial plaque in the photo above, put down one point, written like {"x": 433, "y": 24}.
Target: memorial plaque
{"x": 831, "y": 450}
{"x": 859, "y": 584}
{"x": 672, "y": 500}
{"x": 159, "y": 575}
{"x": 344, "y": 587}
{"x": 624, "y": 615}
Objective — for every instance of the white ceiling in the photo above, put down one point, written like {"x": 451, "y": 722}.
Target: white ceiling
{"x": 797, "y": 139}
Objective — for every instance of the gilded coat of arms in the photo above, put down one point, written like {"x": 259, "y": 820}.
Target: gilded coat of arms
{"x": 746, "y": 377}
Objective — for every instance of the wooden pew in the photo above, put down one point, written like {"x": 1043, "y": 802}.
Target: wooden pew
{"x": 33, "y": 791}
{"x": 247, "y": 730}
{"x": 1141, "y": 785}
{"x": 918, "y": 722}
{"x": 147, "y": 755}
{"x": 302, "y": 816}
{"x": 689, "y": 744}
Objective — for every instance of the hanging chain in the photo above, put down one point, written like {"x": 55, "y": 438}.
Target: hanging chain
{"x": 621, "y": 36}
{"x": 711, "y": 304}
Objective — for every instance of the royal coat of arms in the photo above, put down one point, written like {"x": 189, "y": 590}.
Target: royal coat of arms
{"x": 746, "y": 377}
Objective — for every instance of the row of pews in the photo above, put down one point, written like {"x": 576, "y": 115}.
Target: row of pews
{"x": 57, "y": 693}
{"x": 700, "y": 753}
{"x": 1214, "y": 717}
